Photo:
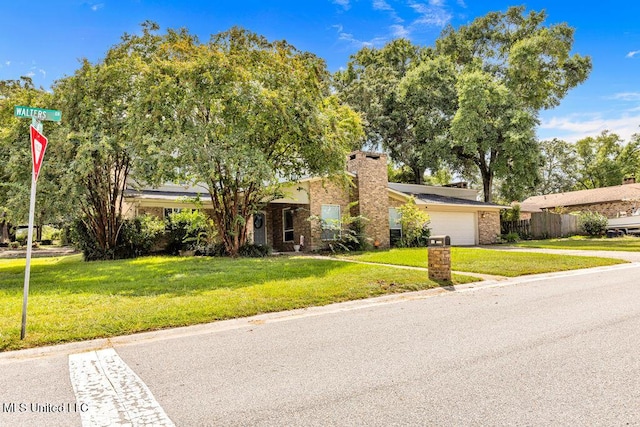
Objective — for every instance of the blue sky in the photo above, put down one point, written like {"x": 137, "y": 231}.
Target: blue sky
{"x": 46, "y": 39}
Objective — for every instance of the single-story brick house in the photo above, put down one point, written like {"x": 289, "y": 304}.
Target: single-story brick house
{"x": 612, "y": 202}
{"x": 284, "y": 223}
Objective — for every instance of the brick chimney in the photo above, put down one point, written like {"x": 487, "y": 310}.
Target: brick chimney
{"x": 372, "y": 193}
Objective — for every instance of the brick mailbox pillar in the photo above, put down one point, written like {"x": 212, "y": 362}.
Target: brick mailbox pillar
{"x": 439, "y": 258}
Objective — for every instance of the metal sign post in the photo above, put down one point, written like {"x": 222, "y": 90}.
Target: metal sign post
{"x": 38, "y": 148}
{"x": 27, "y": 270}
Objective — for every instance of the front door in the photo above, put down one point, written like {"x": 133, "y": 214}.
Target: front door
{"x": 259, "y": 229}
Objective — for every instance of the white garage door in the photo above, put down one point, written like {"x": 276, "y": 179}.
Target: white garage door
{"x": 460, "y": 226}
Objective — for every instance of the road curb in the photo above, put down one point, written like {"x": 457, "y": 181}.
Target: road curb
{"x": 262, "y": 319}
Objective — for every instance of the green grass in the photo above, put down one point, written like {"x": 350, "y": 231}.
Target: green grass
{"x": 627, "y": 243}
{"x": 488, "y": 261}
{"x": 72, "y": 300}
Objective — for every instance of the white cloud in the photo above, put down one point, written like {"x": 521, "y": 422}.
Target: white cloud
{"x": 356, "y": 43}
{"x": 31, "y": 74}
{"x": 462, "y": 4}
{"x": 400, "y": 31}
{"x": 97, "y": 6}
{"x": 575, "y": 127}
{"x": 627, "y": 96}
{"x": 7, "y": 63}
{"x": 381, "y": 5}
{"x": 345, "y": 4}
{"x": 43, "y": 72}
{"x": 432, "y": 14}
{"x": 633, "y": 53}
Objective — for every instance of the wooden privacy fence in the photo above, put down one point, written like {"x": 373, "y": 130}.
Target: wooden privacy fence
{"x": 550, "y": 225}
{"x": 543, "y": 225}
{"x": 522, "y": 227}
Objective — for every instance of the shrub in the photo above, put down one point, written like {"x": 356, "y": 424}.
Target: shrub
{"x": 140, "y": 234}
{"x": 592, "y": 223}
{"x": 511, "y": 237}
{"x": 350, "y": 231}
{"x": 249, "y": 250}
{"x": 415, "y": 225}
{"x": 136, "y": 238}
{"x": 14, "y": 245}
{"x": 189, "y": 230}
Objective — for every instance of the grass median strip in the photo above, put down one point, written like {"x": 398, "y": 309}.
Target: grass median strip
{"x": 72, "y": 300}
{"x": 488, "y": 261}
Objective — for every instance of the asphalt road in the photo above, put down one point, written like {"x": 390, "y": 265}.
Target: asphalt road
{"x": 560, "y": 350}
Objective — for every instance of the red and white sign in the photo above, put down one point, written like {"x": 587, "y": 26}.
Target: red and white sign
{"x": 38, "y": 147}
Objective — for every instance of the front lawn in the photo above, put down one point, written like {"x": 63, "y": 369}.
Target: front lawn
{"x": 488, "y": 261}
{"x": 627, "y": 243}
{"x": 72, "y": 300}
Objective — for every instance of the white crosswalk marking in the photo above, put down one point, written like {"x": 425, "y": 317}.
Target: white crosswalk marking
{"x": 113, "y": 394}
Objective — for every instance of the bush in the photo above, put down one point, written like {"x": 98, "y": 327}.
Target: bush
{"x": 511, "y": 237}
{"x": 592, "y": 223}
{"x": 138, "y": 235}
{"x": 349, "y": 230}
{"x": 249, "y": 250}
{"x": 189, "y": 230}
{"x": 136, "y": 238}
{"x": 415, "y": 226}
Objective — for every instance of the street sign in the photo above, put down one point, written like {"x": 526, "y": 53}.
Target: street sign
{"x": 39, "y": 114}
{"x": 38, "y": 147}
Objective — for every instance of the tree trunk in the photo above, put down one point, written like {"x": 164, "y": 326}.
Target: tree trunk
{"x": 4, "y": 232}
{"x": 418, "y": 174}
{"x": 487, "y": 185}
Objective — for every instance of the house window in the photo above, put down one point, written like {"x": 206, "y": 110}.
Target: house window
{"x": 287, "y": 225}
{"x": 395, "y": 227}
{"x": 331, "y": 222}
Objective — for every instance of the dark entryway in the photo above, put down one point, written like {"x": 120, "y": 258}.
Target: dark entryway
{"x": 259, "y": 229}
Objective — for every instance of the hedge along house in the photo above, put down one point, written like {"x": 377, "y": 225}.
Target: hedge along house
{"x": 284, "y": 223}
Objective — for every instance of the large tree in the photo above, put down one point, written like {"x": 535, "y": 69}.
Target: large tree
{"x": 15, "y": 160}
{"x": 95, "y": 138}
{"x": 239, "y": 115}
{"x": 371, "y": 84}
{"x": 605, "y": 160}
{"x": 513, "y": 66}
{"x": 558, "y": 168}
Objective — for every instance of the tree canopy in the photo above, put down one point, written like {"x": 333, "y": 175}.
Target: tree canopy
{"x": 15, "y": 159}
{"x": 240, "y": 115}
{"x": 605, "y": 160}
{"x": 471, "y": 102}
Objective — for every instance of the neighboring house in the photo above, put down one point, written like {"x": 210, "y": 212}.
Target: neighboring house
{"x": 612, "y": 202}
{"x": 284, "y": 223}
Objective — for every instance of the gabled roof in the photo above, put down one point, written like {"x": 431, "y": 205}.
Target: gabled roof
{"x": 437, "y": 199}
{"x": 581, "y": 197}
{"x": 442, "y": 196}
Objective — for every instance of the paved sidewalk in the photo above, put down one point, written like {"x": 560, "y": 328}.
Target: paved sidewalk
{"x": 627, "y": 256}
{"x": 37, "y": 252}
